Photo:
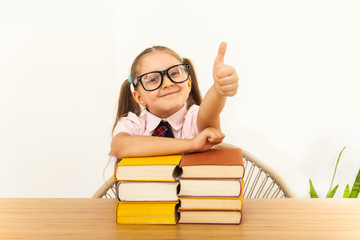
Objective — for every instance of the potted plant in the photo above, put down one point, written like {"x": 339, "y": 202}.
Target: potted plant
{"x": 347, "y": 193}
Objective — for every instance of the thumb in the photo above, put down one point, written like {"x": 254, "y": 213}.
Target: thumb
{"x": 221, "y": 54}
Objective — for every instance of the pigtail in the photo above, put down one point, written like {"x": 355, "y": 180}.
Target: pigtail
{"x": 195, "y": 95}
{"x": 126, "y": 103}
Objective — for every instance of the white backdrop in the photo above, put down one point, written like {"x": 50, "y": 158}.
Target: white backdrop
{"x": 62, "y": 64}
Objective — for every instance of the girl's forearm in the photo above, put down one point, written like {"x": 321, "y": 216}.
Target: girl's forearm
{"x": 210, "y": 109}
{"x": 141, "y": 146}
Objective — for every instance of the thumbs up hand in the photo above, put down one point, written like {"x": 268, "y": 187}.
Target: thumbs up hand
{"x": 225, "y": 77}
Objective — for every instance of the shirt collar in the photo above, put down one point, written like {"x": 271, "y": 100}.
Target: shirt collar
{"x": 176, "y": 120}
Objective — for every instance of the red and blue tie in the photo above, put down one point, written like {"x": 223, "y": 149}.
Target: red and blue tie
{"x": 163, "y": 130}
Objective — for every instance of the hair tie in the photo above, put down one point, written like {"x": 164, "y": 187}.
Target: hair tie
{"x": 182, "y": 60}
{"x": 129, "y": 80}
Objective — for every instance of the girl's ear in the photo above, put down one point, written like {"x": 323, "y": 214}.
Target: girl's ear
{"x": 138, "y": 98}
{"x": 189, "y": 82}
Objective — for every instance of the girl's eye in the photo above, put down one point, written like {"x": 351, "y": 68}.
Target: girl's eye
{"x": 151, "y": 78}
{"x": 175, "y": 73}
{"x": 154, "y": 79}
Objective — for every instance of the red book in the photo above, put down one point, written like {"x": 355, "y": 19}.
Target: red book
{"x": 214, "y": 163}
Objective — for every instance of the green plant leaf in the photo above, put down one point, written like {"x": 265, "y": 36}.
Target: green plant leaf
{"x": 312, "y": 191}
{"x": 356, "y": 187}
{"x": 346, "y": 192}
{"x": 337, "y": 162}
{"x": 332, "y": 192}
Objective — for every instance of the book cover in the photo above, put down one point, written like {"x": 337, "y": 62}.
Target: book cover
{"x": 147, "y": 212}
{"x": 211, "y": 203}
{"x": 155, "y": 160}
{"x": 158, "y": 168}
{"x": 210, "y": 216}
{"x": 214, "y": 163}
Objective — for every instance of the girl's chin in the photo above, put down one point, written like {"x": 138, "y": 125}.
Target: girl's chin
{"x": 170, "y": 104}
{"x": 167, "y": 111}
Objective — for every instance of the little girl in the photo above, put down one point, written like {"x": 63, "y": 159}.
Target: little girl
{"x": 165, "y": 86}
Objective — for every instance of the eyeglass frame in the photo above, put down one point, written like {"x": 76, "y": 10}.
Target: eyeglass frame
{"x": 162, "y": 73}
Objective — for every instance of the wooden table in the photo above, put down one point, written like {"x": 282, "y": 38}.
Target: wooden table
{"x": 262, "y": 219}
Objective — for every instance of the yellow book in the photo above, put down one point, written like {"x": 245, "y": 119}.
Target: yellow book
{"x": 156, "y": 160}
{"x": 212, "y": 203}
{"x": 158, "y": 168}
{"x": 147, "y": 212}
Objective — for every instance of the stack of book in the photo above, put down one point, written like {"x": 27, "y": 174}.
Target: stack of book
{"x": 212, "y": 185}
{"x": 147, "y": 189}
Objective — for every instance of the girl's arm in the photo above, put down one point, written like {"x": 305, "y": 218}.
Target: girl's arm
{"x": 210, "y": 109}
{"x": 225, "y": 84}
{"x": 125, "y": 145}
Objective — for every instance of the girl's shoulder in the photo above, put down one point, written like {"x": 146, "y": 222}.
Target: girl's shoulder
{"x": 132, "y": 117}
{"x": 131, "y": 124}
{"x": 193, "y": 110}
{"x": 194, "y": 107}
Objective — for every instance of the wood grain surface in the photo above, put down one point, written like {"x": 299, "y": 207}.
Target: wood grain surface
{"x": 262, "y": 219}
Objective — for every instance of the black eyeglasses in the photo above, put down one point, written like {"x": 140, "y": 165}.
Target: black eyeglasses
{"x": 153, "y": 80}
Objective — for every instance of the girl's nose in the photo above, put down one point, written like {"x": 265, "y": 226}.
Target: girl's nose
{"x": 167, "y": 82}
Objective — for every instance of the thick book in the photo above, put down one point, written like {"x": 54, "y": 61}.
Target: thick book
{"x": 147, "y": 212}
{"x": 159, "y": 168}
{"x": 212, "y": 203}
{"x": 210, "y": 187}
{"x": 214, "y": 163}
{"x": 147, "y": 191}
{"x": 210, "y": 216}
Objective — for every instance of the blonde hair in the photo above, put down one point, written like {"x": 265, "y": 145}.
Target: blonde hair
{"x": 127, "y": 103}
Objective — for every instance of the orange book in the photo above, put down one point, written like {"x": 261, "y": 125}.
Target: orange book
{"x": 211, "y": 203}
{"x": 214, "y": 163}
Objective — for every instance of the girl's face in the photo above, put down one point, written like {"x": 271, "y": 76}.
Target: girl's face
{"x": 170, "y": 97}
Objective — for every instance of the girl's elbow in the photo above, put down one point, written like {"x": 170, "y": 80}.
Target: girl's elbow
{"x": 116, "y": 152}
{"x": 119, "y": 152}
{"x": 118, "y": 155}
{"x": 119, "y": 148}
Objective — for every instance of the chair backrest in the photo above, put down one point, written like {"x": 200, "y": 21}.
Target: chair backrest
{"x": 260, "y": 180}
{"x": 107, "y": 190}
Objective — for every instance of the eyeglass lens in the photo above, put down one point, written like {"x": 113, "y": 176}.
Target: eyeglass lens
{"x": 177, "y": 74}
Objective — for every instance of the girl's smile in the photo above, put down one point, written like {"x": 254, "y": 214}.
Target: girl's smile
{"x": 169, "y": 94}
